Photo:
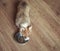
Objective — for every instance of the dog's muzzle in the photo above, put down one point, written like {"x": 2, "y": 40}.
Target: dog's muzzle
{"x": 20, "y": 38}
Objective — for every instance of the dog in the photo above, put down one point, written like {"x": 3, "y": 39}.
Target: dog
{"x": 23, "y": 22}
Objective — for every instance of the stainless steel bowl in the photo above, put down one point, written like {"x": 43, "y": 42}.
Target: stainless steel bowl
{"x": 20, "y": 38}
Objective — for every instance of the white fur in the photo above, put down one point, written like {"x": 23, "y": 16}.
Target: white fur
{"x": 27, "y": 38}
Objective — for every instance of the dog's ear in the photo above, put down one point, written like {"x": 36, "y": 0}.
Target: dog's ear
{"x": 29, "y": 28}
{"x": 22, "y": 29}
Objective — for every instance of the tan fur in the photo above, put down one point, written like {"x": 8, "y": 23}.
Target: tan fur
{"x": 22, "y": 19}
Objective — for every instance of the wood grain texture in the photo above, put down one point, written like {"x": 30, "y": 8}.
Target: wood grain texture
{"x": 45, "y": 18}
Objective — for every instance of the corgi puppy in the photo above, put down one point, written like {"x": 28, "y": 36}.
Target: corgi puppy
{"x": 23, "y": 22}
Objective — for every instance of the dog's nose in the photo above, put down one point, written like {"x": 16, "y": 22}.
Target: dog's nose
{"x": 20, "y": 38}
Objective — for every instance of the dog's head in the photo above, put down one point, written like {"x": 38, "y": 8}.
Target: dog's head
{"x": 23, "y": 35}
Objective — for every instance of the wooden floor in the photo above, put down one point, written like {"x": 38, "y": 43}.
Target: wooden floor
{"x": 45, "y": 18}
